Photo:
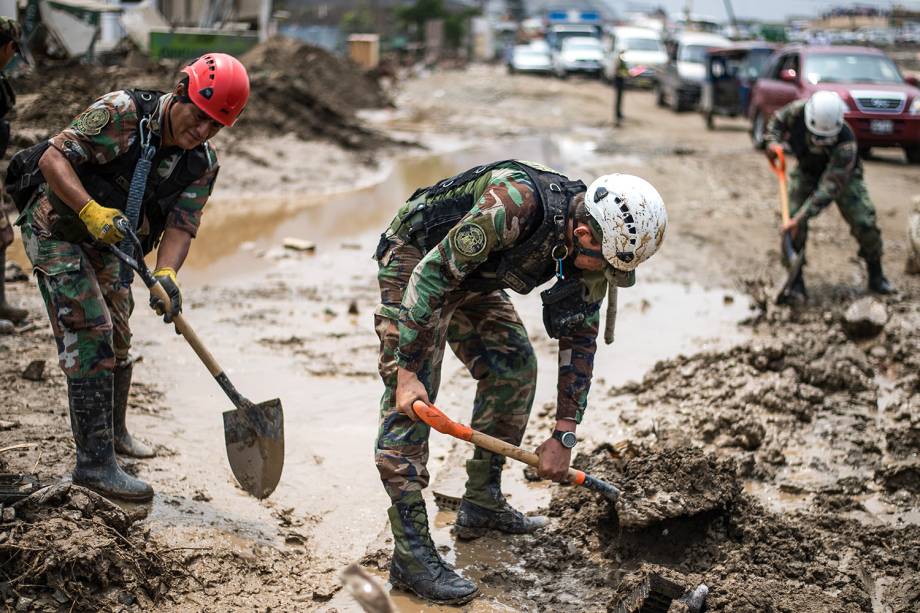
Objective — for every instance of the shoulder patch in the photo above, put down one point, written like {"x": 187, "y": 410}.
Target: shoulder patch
{"x": 92, "y": 121}
{"x": 470, "y": 240}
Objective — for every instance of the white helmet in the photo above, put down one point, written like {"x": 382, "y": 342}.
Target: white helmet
{"x": 824, "y": 114}
{"x": 631, "y": 217}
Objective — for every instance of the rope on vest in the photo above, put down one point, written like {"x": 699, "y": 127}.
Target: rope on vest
{"x": 136, "y": 196}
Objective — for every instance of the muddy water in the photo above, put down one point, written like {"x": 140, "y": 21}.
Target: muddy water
{"x": 279, "y": 324}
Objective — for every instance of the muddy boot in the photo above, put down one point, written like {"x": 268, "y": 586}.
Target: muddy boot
{"x": 796, "y": 294}
{"x": 8, "y": 312}
{"x": 91, "y": 421}
{"x": 416, "y": 565}
{"x": 877, "y": 281}
{"x": 125, "y": 444}
{"x": 483, "y": 506}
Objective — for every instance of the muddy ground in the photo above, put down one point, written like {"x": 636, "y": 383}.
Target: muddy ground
{"x": 798, "y": 444}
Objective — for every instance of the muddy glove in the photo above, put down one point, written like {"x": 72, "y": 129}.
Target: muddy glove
{"x": 773, "y": 151}
{"x": 167, "y": 278}
{"x": 100, "y": 222}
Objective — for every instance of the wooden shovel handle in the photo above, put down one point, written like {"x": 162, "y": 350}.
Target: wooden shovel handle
{"x": 779, "y": 167}
{"x": 435, "y": 418}
{"x": 185, "y": 329}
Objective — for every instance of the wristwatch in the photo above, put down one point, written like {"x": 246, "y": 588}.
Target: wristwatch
{"x": 567, "y": 439}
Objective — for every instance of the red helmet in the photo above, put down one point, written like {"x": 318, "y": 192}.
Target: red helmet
{"x": 219, "y": 86}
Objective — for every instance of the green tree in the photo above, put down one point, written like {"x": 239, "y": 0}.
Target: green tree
{"x": 415, "y": 15}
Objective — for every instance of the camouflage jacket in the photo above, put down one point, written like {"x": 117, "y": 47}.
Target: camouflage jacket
{"x": 833, "y": 165}
{"x": 506, "y": 207}
{"x": 108, "y": 129}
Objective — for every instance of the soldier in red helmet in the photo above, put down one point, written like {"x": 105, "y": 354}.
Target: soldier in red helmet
{"x": 89, "y": 170}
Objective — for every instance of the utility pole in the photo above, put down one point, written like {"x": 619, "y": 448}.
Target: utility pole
{"x": 731, "y": 16}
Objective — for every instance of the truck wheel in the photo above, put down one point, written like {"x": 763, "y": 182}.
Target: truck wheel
{"x": 913, "y": 154}
{"x": 757, "y": 131}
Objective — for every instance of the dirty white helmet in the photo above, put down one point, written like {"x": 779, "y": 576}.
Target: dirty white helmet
{"x": 631, "y": 217}
{"x": 824, "y": 114}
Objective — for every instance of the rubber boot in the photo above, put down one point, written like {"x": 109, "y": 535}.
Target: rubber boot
{"x": 877, "y": 281}
{"x": 796, "y": 294}
{"x": 416, "y": 565}
{"x": 91, "y": 421}
{"x": 8, "y": 312}
{"x": 483, "y": 506}
{"x": 125, "y": 444}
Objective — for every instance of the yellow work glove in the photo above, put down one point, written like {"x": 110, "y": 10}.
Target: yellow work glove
{"x": 167, "y": 278}
{"x": 100, "y": 222}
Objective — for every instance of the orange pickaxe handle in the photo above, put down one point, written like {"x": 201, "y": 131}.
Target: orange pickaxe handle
{"x": 779, "y": 167}
{"x": 433, "y": 416}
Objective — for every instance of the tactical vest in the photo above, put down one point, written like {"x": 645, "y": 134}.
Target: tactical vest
{"x": 108, "y": 184}
{"x": 520, "y": 268}
{"x": 814, "y": 162}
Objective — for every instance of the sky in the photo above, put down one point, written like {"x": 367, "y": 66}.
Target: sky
{"x": 761, "y": 9}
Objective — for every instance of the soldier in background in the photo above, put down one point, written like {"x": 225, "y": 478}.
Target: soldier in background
{"x": 828, "y": 170}
{"x": 10, "y": 35}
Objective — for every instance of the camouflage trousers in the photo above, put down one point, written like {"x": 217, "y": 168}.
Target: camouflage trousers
{"x": 88, "y": 307}
{"x": 485, "y": 332}
{"x": 854, "y": 204}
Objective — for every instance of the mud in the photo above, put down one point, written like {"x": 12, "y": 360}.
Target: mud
{"x": 818, "y": 513}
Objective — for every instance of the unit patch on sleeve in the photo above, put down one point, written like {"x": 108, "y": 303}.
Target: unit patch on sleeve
{"x": 470, "y": 240}
{"x": 92, "y": 121}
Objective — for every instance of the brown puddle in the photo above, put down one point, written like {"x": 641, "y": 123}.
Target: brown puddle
{"x": 278, "y": 322}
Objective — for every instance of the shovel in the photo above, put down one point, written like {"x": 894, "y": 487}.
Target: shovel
{"x": 433, "y": 416}
{"x": 794, "y": 258}
{"x": 253, "y": 433}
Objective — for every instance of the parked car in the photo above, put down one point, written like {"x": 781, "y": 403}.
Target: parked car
{"x": 680, "y": 81}
{"x": 883, "y": 107}
{"x": 578, "y": 54}
{"x": 730, "y": 75}
{"x": 532, "y": 58}
{"x": 643, "y": 53}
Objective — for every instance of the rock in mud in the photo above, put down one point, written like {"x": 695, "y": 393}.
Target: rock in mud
{"x": 35, "y": 371}
{"x": 865, "y": 318}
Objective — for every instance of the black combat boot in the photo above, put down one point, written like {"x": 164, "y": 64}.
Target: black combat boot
{"x": 483, "y": 506}
{"x": 91, "y": 421}
{"x": 877, "y": 281}
{"x": 416, "y": 565}
{"x": 8, "y": 312}
{"x": 125, "y": 444}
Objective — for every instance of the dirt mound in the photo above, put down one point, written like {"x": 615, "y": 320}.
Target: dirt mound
{"x": 67, "y": 547}
{"x": 305, "y": 90}
{"x": 296, "y": 88}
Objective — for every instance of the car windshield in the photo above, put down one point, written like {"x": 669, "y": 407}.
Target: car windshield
{"x": 581, "y": 43}
{"x": 850, "y": 68}
{"x": 695, "y": 54}
{"x": 642, "y": 44}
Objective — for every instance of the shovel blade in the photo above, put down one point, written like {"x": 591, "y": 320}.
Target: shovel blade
{"x": 795, "y": 260}
{"x": 254, "y": 436}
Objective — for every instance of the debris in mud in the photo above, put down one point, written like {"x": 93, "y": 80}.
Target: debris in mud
{"x": 865, "y": 318}
{"x": 13, "y": 272}
{"x": 653, "y": 589}
{"x": 299, "y": 244}
{"x": 35, "y": 371}
{"x": 70, "y": 548}
{"x": 6, "y": 327}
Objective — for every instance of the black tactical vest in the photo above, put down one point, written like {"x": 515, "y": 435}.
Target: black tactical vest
{"x": 108, "y": 184}
{"x": 814, "y": 161}
{"x": 522, "y": 267}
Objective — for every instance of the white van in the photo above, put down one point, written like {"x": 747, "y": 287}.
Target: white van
{"x": 642, "y": 50}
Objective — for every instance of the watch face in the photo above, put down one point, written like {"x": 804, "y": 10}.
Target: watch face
{"x": 568, "y": 439}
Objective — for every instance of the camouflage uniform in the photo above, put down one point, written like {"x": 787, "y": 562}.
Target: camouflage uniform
{"x": 826, "y": 174}
{"x": 89, "y": 308}
{"x": 423, "y": 308}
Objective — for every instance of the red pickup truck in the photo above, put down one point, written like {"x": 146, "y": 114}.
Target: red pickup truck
{"x": 883, "y": 106}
